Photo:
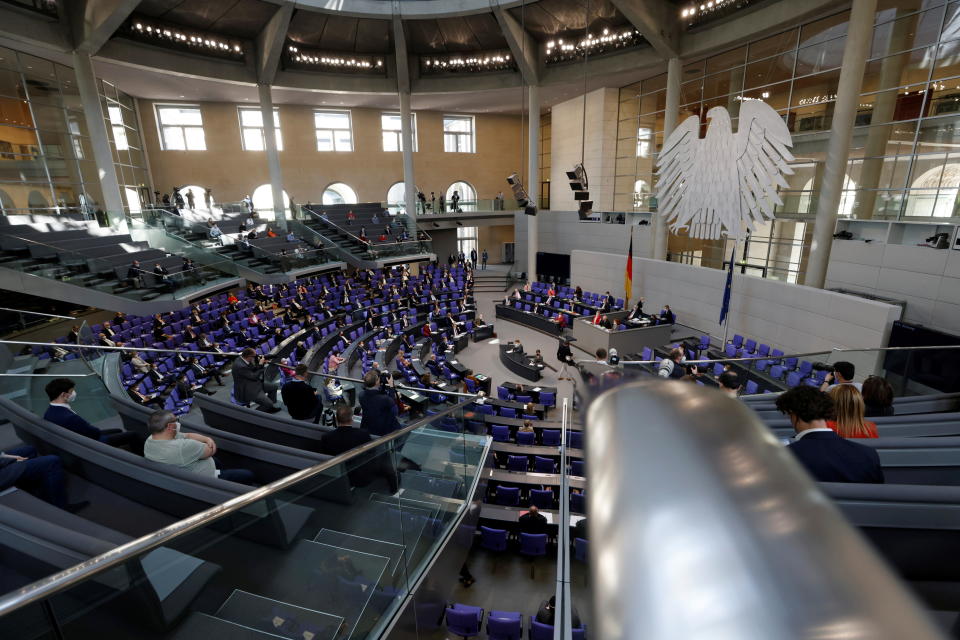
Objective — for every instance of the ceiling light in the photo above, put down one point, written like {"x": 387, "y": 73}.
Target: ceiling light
{"x": 172, "y": 34}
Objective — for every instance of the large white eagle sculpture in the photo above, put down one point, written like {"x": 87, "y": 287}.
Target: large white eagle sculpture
{"x": 709, "y": 185}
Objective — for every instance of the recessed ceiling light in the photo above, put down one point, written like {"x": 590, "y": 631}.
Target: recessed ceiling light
{"x": 181, "y": 96}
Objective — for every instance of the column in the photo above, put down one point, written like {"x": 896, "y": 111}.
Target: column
{"x": 859, "y": 37}
{"x": 99, "y": 139}
{"x": 409, "y": 184}
{"x": 661, "y": 230}
{"x": 273, "y": 155}
{"x": 533, "y": 177}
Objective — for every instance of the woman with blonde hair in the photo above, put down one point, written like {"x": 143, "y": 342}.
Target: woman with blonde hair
{"x": 849, "y": 410}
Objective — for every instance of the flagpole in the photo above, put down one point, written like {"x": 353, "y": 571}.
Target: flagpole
{"x": 726, "y": 319}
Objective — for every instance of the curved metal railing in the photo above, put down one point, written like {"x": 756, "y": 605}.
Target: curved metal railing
{"x": 703, "y": 526}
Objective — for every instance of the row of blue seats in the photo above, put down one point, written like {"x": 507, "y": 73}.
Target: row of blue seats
{"x": 466, "y": 621}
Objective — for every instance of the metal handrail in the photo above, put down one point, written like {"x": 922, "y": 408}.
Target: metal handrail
{"x": 710, "y": 527}
{"x": 62, "y": 580}
{"x": 333, "y": 224}
{"x": 804, "y": 355}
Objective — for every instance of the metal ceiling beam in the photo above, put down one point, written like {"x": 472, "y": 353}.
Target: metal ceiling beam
{"x": 92, "y": 22}
{"x": 657, "y": 22}
{"x": 270, "y": 43}
{"x": 403, "y": 61}
{"x": 524, "y": 48}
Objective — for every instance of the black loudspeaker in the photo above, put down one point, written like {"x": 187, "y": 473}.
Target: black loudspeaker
{"x": 529, "y": 210}
{"x": 520, "y": 195}
{"x": 581, "y": 195}
{"x": 586, "y": 209}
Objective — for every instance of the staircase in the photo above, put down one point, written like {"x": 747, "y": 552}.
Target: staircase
{"x": 491, "y": 281}
{"x": 354, "y": 252}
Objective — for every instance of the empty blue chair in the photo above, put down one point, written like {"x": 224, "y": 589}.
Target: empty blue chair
{"x": 577, "y": 468}
{"x": 751, "y": 387}
{"x": 544, "y": 465}
{"x": 776, "y": 372}
{"x": 500, "y": 433}
{"x": 493, "y": 539}
{"x": 540, "y": 631}
{"x": 576, "y": 439}
{"x": 793, "y": 379}
{"x": 704, "y": 343}
{"x": 504, "y": 625}
{"x": 464, "y": 620}
{"x": 526, "y": 437}
{"x": 580, "y": 548}
{"x": 730, "y": 351}
{"x": 763, "y": 350}
{"x": 507, "y": 412}
{"x": 471, "y": 385}
{"x": 485, "y": 408}
{"x": 762, "y": 364}
{"x": 518, "y": 463}
{"x": 542, "y": 498}
{"x": 805, "y": 368}
{"x": 737, "y": 340}
{"x": 503, "y": 393}
{"x": 750, "y": 346}
{"x": 533, "y": 544}
{"x": 577, "y": 503}
{"x": 790, "y": 363}
{"x": 717, "y": 368}
{"x": 550, "y": 438}
{"x": 508, "y": 496}
{"x": 523, "y": 399}
{"x": 646, "y": 354}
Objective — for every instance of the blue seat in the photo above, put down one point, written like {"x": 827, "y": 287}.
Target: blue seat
{"x": 500, "y": 433}
{"x": 493, "y": 539}
{"x": 776, "y": 372}
{"x": 763, "y": 350}
{"x": 484, "y": 408}
{"x": 730, "y": 351}
{"x": 577, "y": 503}
{"x": 577, "y": 468}
{"x": 540, "y": 631}
{"x": 580, "y": 548}
{"x": 544, "y": 465}
{"x": 526, "y": 437}
{"x": 737, "y": 340}
{"x": 503, "y": 393}
{"x": 507, "y": 412}
{"x": 704, "y": 343}
{"x": 523, "y": 399}
{"x": 793, "y": 379}
{"x": 542, "y": 498}
{"x": 518, "y": 463}
{"x": 762, "y": 364}
{"x": 508, "y": 496}
{"x": 533, "y": 544}
{"x": 550, "y": 438}
{"x": 576, "y": 439}
{"x": 464, "y": 620}
{"x": 750, "y": 346}
{"x": 717, "y": 368}
{"x": 751, "y": 387}
{"x": 504, "y": 625}
{"x": 805, "y": 368}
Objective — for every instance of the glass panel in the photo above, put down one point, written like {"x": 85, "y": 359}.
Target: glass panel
{"x": 939, "y": 134}
{"x": 169, "y": 115}
{"x": 173, "y": 138}
{"x": 195, "y": 138}
{"x": 11, "y": 84}
{"x": 253, "y": 139}
{"x": 820, "y": 57}
{"x": 769, "y": 71}
{"x": 948, "y": 60}
{"x": 773, "y": 45}
{"x": 726, "y": 60}
{"x": 344, "y": 141}
{"x": 325, "y": 140}
{"x": 834, "y": 26}
{"x": 332, "y": 119}
{"x": 251, "y": 118}
{"x": 909, "y": 32}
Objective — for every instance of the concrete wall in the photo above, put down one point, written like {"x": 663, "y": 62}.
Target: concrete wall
{"x": 492, "y": 238}
{"x": 791, "y": 317}
{"x": 444, "y": 243}
{"x": 597, "y": 146}
{"x": 927, "y": 279}
{"x": 232, "y": 172}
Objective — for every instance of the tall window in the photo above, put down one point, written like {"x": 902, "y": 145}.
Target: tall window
{"x": 458, "y": 134}
{"x": 251, "y": 129}
{"x": 333, "y": 130}
{"x": 119, "y": 132}
{"x": 390, "y": 126}
{"x": 467, "y": 240}
{"x": 644, "y": 135}
{"x": 181, "y": 127}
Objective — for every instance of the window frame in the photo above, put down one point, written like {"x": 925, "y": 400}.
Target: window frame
{"x": 164, "y": 146}
{"x": 457, "y": 135}
{"x": 398, "y": 132}
{"x": 263, "y": 136}
{"x": 317, "y": 130}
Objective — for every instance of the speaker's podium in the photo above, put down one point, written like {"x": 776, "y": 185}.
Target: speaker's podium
{"x": 633, "y": 339}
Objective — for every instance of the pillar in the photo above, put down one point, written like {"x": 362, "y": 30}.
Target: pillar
{"x": 273, "y": 155}
{"x": 661, "y": 230}
{"x": 533, "y": 177}
{"x": 409, "y": 184}
{"x": 859, "y": 37}
{"x": 99, "y": 139}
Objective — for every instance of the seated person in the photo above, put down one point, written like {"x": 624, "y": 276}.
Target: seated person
{"x": 300, "y": 398}
{"x": 190, "y": 451}
{"x": 546, "y": 613}
{"x": 346, "y": 437}
{"x": 62, "y": 392}
{"x": 848, "y": 413}
{"x": 22, "y": 468}
{"x": 826, "y": 456}
{"x": 842, "y": 373}
{"x": 667, "y": 316}
{"x": 138, "y": 363}
{"x": 533, "y": 521}
{"x": 334, "y": 361}
{"x": 580, "y": 529}
{"x": 637, "y": 312}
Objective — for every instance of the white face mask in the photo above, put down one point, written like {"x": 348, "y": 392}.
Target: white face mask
{"x": 176, "y": 426}
{"x": 72, "y": 396}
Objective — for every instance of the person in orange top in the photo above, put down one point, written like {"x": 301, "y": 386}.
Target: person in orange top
{"x": 849, "y": 409}
{"x": 271, "y": 233}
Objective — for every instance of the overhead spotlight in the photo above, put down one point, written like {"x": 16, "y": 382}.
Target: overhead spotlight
{"x": 579, "y": 185}
{"x": 520, "y": 195}
{"x": 585, "y": 210}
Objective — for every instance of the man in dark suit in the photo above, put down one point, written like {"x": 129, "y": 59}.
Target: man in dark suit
{"x": 379, "y": 410}
{"x": 63, "y": 391}
{"x": 248, "y": 381}
{"x": 545, "y": 614}
{"x": 827, "y": 456}
{"x": 667, "y": 316}
{"x": 637, "y": 312}
{"x": 22, "y": 468}
{"x": 346, "y": 437}
{"x": 301, "y": 399}
{"x": 533, "y": 521}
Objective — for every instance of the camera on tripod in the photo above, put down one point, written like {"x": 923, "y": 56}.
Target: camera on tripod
{"x": 823, "y": 366}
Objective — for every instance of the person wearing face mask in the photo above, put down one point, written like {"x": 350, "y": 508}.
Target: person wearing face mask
{"x": 62, "y": 392}
{"x": 167, "y": 444}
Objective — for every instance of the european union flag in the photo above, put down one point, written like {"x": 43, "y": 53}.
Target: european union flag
{"x": 726, "y": 290}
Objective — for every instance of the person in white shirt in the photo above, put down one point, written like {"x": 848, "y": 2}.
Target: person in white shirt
{"x": 190, "y": 451}
{"x": 842, "y": 373}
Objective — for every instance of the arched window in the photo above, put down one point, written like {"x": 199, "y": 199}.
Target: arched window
{"x": 396, "y": 194}
{"x": 848, "y": 197}
{"x": 339, "y": 193}
{"x": 6, "y": 202}
{"x": 934, "y": 193}
{"x": 36, "y": 200}
{"x": 263, "y": 198}
{"x": 468, "y": 195}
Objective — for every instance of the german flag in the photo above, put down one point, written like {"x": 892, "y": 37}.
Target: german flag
{"x": 628, "y": 272}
